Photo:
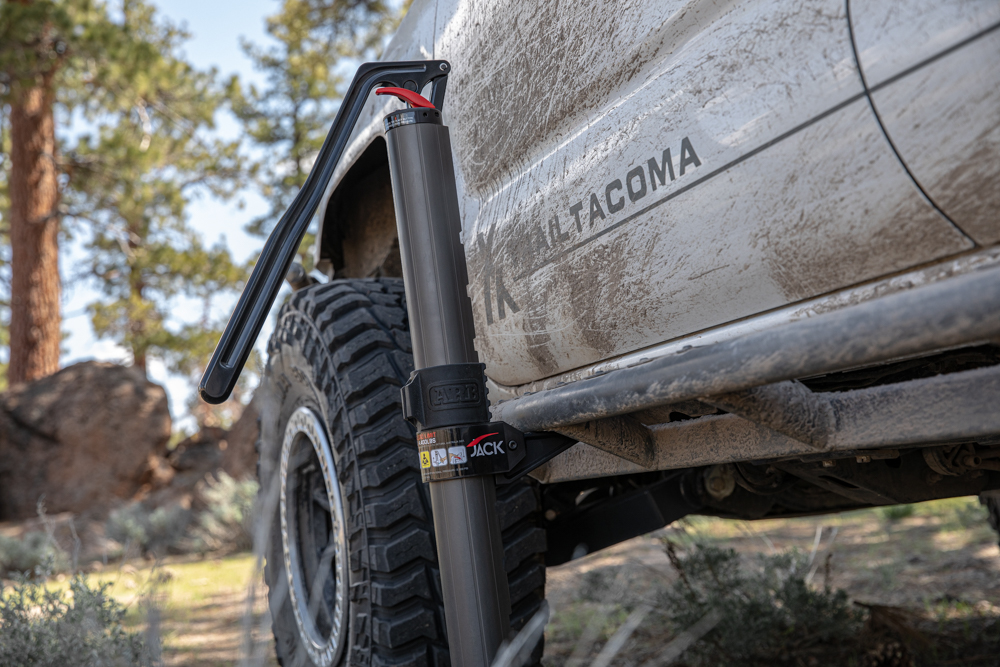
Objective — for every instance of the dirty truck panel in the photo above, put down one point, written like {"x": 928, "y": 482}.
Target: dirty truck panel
{"x": 934, "y": 117}
{"x": 711, "y": 185}
{"x": 893, "y": 37}
{"x": 624, "y": 180}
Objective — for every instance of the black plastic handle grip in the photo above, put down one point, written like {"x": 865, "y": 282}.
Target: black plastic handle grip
{"x": 265, "y": 280}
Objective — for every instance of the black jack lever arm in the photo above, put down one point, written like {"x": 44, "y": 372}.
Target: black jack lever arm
{"x": 265, "y": 280}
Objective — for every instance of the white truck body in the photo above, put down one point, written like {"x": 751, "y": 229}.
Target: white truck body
{"x": 651, "y": 172}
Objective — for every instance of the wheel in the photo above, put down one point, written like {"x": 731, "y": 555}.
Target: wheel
{"x": 351, "y": 566}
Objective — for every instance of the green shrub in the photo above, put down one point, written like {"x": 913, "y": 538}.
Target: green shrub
{"x": 41, "y": 628}
{"x": 769, "y": 614}
{"x": 971, "y": 514}
{"x": 32, "y": 552}
{"x": 152, "y": 531}
{"x": 897, "y": 512}
{"x": 227, "y": 523}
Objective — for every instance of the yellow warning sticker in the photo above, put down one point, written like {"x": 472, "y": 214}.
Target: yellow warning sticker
{"x": 425, "y": 459}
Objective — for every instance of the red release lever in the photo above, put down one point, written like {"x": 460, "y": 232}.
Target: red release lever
{"x": 416, "y": 100}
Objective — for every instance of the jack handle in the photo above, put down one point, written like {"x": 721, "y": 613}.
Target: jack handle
{"x": 265, "y": 280}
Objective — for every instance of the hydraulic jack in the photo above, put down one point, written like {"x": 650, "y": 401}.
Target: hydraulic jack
{"x": 462, "y": 454}
{"x": 446, "y": 395}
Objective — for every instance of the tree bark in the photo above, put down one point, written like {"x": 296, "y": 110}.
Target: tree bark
{"x": 34, "y": 229}
{"x": 139, "y": 361}
{"x": 137, "y": 286}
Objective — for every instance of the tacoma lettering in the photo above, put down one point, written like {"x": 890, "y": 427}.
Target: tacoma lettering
{"x": 617, "y": 197}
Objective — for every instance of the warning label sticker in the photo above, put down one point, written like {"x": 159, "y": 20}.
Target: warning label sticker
{"x": 485, "y": 449}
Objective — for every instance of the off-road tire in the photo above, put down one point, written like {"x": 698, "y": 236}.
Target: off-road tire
{"x": 342, "y": 350}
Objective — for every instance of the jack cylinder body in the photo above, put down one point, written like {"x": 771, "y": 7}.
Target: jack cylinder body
{"x": 469, "y": 545}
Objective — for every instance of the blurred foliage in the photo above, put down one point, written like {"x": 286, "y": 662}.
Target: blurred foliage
{"x": 33, "y": 552}
{"x": 146, "y": 149}
{"x": 896, "y": 512}
{"x": 769, "y": 614}
{"x": 132, "y": 178}
{"x": 225, "y": 523}
{"x": 318, "y": 44}
{"x": 228, "y": 520}
{"x": 45, "y": 628}
{"x": 150, "y": 531}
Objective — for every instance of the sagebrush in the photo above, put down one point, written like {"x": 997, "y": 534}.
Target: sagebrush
{"x": 227, "y": 522}
{"x": 34, "y": 551}
{"x": 45, "y": 628}
{"x": 153, "y": 531}
{"x": 769, "y": 613}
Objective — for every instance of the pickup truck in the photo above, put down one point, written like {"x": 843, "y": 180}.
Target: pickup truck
{"x": 745, "y": 256}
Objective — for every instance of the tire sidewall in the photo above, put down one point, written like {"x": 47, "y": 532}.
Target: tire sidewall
{"x": 291, "y": 383}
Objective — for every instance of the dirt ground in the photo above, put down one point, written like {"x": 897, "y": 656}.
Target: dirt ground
{"x": 213, "y": 613}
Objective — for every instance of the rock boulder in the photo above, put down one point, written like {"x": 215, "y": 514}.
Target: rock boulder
{"x": 239, "y": 456}
{"x": 82, "y": 437}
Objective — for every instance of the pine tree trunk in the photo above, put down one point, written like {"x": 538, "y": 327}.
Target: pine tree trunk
{"x": 34, "y": 200}
{"x": 137, "y": 287}
{"x": 139, "y": 361}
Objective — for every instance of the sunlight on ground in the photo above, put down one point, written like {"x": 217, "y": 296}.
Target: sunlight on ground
{"x": 200, "y": 606}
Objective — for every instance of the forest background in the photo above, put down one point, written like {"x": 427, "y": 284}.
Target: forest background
{"x": 178, "y": 132}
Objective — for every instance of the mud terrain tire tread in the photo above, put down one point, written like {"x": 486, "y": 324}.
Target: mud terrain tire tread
{"x": 351, "y": 342}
